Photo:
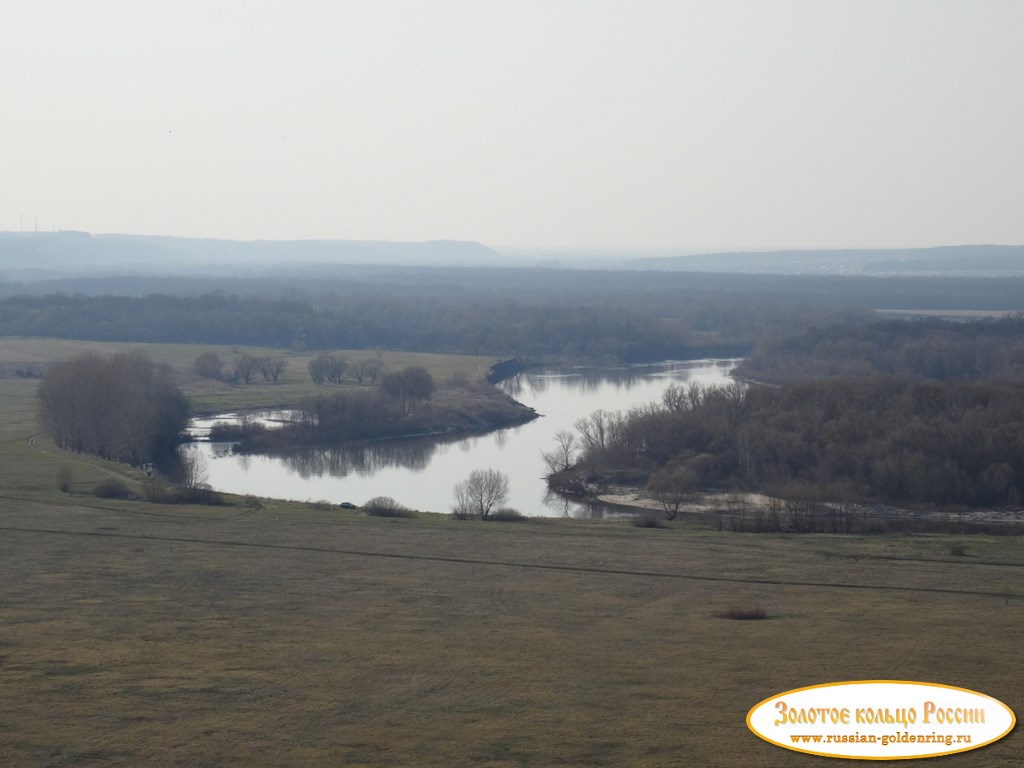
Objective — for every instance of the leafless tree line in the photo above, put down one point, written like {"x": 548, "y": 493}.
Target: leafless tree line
{"x": 123, "y": 407}
{"x": 332, "y": 369}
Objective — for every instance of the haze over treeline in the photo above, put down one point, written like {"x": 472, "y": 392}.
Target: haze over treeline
{"x": 34, "y": 256}
{"x": 537, "y": 314}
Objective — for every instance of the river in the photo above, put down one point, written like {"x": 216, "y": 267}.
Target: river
{"x": 420, "y": 473}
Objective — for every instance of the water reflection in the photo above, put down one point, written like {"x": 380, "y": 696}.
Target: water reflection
{"x": 586, "y": 379}
{"x": 421, "y": 472}
{"x": 363, "y": 459}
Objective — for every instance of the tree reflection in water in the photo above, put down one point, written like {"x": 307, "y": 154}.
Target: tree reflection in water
{"x": 365, "y": 458}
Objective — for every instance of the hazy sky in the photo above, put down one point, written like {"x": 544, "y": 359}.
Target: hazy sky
{"x": 684, "y": 123}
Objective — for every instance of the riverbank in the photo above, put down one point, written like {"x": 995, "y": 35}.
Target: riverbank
{"x": 760, "y": 513}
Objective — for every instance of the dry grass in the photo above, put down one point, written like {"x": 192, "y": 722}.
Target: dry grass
{"x": 134, "y": 635}
{"x": 280, "y": 634}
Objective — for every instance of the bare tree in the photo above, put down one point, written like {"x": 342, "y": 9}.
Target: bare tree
{"x": 671, "y": 487}
{"x": 368, "y": 369}
{"x": 371, "y": 368}
{"x": 246, "y": 367}
{"x": 563, "y": 457}
{"x": 596, "y": 429}
{"x": 359, "y": 372}
{"x": 318, "y": 370}
{"x": 336, "y": 369}
{"x": 408, "y": 387}
{"x": 194, "y": 475}
{"x": 272, "y": 368}
{"x": 327, "y": 368}
{"x": 674, "y": 398}
{"x": 479, "y": 493}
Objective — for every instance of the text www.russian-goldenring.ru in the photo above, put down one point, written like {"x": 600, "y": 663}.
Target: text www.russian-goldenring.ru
{"x": 885, "y": 740}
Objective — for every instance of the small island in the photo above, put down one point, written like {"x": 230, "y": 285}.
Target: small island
{"x": 406, "y": 403}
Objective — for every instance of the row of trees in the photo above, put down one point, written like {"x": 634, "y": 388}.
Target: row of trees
{"x": 270, "y": 368}
{"x": 123, "y": 407}
{"x": 210, "y": 365}
{"x": 883, "y": 438}
{"x": 333, "y": 369}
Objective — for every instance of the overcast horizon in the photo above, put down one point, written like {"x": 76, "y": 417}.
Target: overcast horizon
{"x": 654, "y": 125}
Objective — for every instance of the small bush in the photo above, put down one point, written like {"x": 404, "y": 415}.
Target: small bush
{"x": 111, "y": 488}
{"x": 506, "y": 515}
{"x": 744, "y": 614}
{"x": 156, "y": 490}
{"x": 958, "y": 550}
{"x": 204, "y": 495}
{"x": 385, "y": 506}
{"x": 647, "y": 519}
{"x": 252, "y": 502}
{"x": 209, "y": 366}
{"x": 65, "y": 479}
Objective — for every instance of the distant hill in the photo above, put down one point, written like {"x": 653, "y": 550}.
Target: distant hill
{"x": 953, "y": 260}
{"x": 34, "y": 255}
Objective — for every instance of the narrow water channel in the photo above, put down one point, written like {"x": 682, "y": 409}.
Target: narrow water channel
{"x": 420, "y": 473}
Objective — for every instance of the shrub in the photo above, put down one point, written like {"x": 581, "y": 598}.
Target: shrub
{"x": 647, "y": 519}
{"x": 385, "y": 506}
{"x": 157, "y": 491}
{"x": 209, "y": 366}
{"x": 506, "y": 515}
{"x": 205, "y": 496}
{"x": 744, "y": 614}
{"x": 65, "y": 479}
{"x": 112, "y": 488}
{"x": 958, "y": 550}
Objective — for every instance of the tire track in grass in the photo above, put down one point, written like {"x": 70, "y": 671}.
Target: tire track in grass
{"x": 512, "y": 564}
{"x": 34, "y": 445}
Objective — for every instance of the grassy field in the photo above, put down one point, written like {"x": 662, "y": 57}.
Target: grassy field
{"x": 134, "y": 634}
{"x": 209, "y": 396}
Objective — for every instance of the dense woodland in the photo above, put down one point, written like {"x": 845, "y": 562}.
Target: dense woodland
{"x": 931, "y": 349}
{"x": 882, "y": 438}
{"x": 535, "y": 314}
{"x": 908, "y": 412}
{"x": 368, "y": 322}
